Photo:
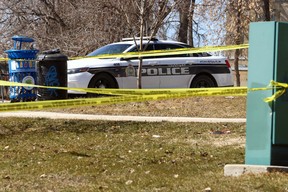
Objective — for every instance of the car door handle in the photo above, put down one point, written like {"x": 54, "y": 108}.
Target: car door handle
{"x": 189, "y": 62}
{"x": 153, "y": 62}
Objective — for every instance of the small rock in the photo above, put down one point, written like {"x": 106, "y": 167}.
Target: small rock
{"x": 7, "y": 177}
{"x": 131, "y": 170}
{"x": 103, "y": 187}
{"x": 207, "y": 189}
{"x": 156, "y": 136}
{"x": 221, "y": 132}
{"x": 128, "y": 182}
{"x": 218, "y": 132}
{"x": 43, "y": 176}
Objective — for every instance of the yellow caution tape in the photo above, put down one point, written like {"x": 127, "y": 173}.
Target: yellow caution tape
{"x": 84, "y": 102}
{"x": 281, "y": 89}
{"x": 192, "y": 92}
{"x": 224, "y": 91}
{"x": 3, "y": 59}
{"x": 236, "y": 91}
{"x": 169, "y": 52}
{"x": 133, "y": 95}
{"x": 137, "y": 95}
{"x": 124, "y": 95}
{"x": 158, "y": 52}
{"x": 101, "y": 100}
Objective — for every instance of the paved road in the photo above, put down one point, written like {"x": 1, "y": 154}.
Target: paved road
{"x": 53, "y": 115}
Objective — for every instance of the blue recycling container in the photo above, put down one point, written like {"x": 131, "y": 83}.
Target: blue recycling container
{"x": 21, "y": 67}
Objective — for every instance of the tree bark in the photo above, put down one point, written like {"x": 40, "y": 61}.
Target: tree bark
{"x": 190, "y": 23}
{"x": 236, "y": 67}
{"x": 139, "y": 71}
{"x": 266, "y": 10}
{"x": 238, "y": 37}
{"x": 184, "y": 20}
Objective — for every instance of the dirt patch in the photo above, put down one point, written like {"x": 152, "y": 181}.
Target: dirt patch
{"x": 228, "y": 141}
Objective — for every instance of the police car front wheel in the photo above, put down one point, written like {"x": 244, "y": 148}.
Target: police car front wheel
{"x": 203, "y": 81}
{"x": 101, "y": 81}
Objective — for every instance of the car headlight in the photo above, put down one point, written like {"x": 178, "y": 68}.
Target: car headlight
{"x": 77, "y": 70}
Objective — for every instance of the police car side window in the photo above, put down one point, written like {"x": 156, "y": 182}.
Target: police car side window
{"x": 150, "y": 47}
{"x": 175, "y": 46}
{"x": 168, "y": 47}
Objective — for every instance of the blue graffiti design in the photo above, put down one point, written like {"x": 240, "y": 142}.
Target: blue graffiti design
{"x": 52, "y": 80}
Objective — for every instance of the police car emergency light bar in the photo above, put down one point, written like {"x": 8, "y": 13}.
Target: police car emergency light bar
{"x": 139, "y": 38}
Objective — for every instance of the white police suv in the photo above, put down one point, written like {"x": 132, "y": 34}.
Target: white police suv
{"x": 171, "y": 71}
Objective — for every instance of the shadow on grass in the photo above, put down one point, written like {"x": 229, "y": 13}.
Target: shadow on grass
{"x": 11, "y": 126}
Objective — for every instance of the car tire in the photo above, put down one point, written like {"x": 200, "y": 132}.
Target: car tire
{"x": 101, "y": 81}
{"x": 202, "y": 81}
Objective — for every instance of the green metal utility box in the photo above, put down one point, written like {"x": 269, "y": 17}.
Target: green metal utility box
{"x": 267, "y": 128}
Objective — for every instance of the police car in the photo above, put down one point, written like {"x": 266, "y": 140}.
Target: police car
{"x": 195, "y": 70}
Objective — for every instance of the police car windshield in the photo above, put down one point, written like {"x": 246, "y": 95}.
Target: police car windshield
{"x": 110, "y": 49}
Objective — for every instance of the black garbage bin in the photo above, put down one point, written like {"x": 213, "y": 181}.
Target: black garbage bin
{"x": 52, "y": 71}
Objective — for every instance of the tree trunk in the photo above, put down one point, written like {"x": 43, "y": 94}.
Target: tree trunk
{"x": 236, "y": 66}
{"x": 190, "y": 23}
{"x": 184, "y": 20}
{"x": 139, "y": 71}
{"x": 266, "y": 10}
{"x": 238, "y": 37}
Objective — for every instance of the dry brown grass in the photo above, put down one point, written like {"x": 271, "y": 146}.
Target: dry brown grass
{"x": 214, "y": 107}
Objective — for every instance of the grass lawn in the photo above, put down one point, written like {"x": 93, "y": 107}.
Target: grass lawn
{"x": 216, "y": 107}
{"x": 72, "y": 155}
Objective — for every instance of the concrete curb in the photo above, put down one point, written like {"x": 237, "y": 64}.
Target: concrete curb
{"x": 54, "y": 115}
{"x": 238, "y": 170}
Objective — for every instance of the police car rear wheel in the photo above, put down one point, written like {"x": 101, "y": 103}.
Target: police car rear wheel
{"x": 203, "y": 81}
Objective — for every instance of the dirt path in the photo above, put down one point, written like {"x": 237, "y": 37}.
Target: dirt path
{"x": 54, "y": 115}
